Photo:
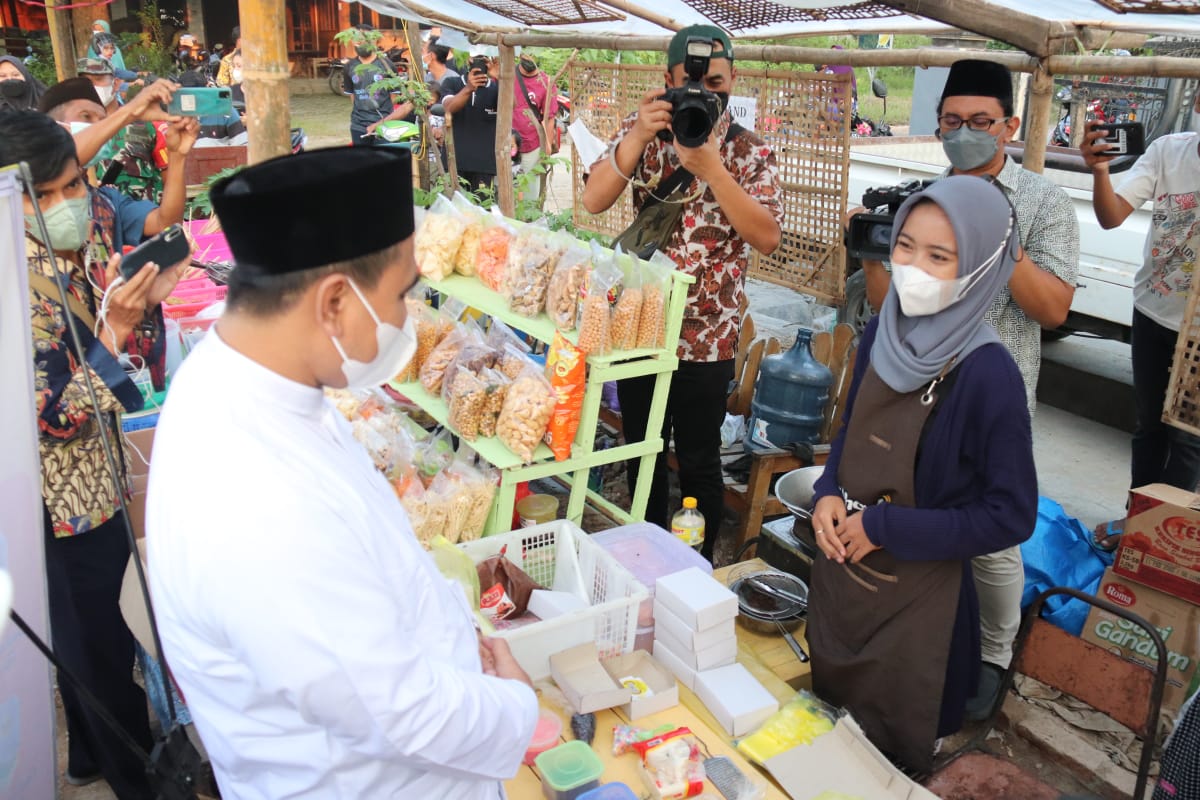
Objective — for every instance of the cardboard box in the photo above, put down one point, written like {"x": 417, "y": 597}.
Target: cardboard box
{"x": 719, "y": 655}
{"x": 138, "y": 444}
{"x": 692, "y": 640}
{"x": 699, "y": 600}
{"x": 1161, "y": 545}
{"x": 664, "y": 691}
{"x": 845, "y": 762}
{"x": 585, "y": 682}
{"x": 735, "y": 698}
{"x": 685, "y": 674}
{"x": 1178, "y": 622}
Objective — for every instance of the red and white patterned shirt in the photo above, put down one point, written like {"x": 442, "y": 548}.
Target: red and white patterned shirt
{"x": 705, "y": 244}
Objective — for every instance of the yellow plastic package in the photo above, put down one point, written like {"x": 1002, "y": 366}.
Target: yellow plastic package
{"x": 799, "y": 721}
{"x": 455, "y": 565}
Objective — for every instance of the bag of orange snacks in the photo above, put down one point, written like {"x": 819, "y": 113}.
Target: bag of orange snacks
{"x": 566, "y": 369}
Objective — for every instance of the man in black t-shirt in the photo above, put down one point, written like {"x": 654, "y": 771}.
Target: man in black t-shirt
{"x": 371, "y": 105}
{"x": 473, "y": 101}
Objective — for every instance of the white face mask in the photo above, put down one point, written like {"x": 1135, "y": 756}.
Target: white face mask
{"x": 922, "y": 295}
{"x": 106, "y": 95}
{"x": 396, "y": 347}
{"x": 236, "y": 75}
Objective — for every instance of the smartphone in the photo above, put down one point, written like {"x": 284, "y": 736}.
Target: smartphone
{"x": 1124, "y": 138}
{"x": 166, "y": 250}
{"x": 202, "y": 102}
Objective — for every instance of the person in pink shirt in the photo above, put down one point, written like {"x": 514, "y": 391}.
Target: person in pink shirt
{"x": 535, "y": 104}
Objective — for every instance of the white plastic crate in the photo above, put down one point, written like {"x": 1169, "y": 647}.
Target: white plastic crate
{"x": 560, "y": 556}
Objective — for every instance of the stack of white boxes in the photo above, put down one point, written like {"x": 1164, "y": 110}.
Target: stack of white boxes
{"x": 694, "y": 618}
{"x": 695, "y": 637}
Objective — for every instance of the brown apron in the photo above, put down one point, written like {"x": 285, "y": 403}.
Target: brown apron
{"x": 880, "y": 630}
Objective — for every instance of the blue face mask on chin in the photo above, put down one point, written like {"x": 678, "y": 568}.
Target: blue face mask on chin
{"x": 968, "y": 149}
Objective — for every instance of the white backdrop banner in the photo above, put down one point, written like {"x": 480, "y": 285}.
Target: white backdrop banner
{"x": 27, "y": 757}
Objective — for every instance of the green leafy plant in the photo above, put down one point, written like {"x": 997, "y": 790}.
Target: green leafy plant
{"x": 149, "y": 51}
{"x": 201, "y": 206}
{"x": 354, "y": 37}
{"x": 41, "y": 66}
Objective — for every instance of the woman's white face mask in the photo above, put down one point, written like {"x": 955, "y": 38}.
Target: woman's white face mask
{"x": 922, "y": 295}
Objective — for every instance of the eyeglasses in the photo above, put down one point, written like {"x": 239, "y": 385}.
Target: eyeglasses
{"x": 952, "y": 122}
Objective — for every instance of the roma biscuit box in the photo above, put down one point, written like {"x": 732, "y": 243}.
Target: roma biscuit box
{"x": 1177, "y": 621}
{"x": 1161, "y": 545}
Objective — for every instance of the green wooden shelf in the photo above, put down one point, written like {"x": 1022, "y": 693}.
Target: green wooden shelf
{"x": 660, "y": 362}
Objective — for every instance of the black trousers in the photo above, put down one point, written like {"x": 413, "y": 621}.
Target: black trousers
{"x": 89, "y": 635}
{"x": 695, "y": 411}
{"x": 1162, "y": 453}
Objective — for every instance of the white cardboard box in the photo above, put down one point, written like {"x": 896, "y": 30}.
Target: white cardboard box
{"x": 698, "y": 599}
{"x": 842, "y": 761}
{"x": 640, "y": 664}
{"x": 685, "y": 674}
{"x": 695, "y": 641}
{"x": 718, "y": 655}
{"x": 735, "y": 698}
{"x": 585, "y": 682}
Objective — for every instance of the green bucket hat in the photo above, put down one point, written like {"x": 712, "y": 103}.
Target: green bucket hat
{"x": 93, "y": 66}
{"x": 677, "y": 51}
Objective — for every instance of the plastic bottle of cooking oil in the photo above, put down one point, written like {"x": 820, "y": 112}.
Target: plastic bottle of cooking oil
{"x": 688, "y": 524}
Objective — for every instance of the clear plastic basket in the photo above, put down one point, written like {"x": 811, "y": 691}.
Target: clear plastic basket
{"x": 560, "y": 556}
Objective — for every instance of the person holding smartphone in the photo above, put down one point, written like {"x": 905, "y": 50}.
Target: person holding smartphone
{"x": 85, "y": 543}
{"x": 1169, "y": 174}
{"x": 473, "y": 101}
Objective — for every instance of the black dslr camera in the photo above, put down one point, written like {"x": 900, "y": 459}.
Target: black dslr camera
{"x": 694, "y": 109}
{"x": 870, "y": 233}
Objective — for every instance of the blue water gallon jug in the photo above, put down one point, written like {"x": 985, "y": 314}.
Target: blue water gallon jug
{"x": 789, "y": 397}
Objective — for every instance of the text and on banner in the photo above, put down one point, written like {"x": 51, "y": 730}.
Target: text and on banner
{"x": 27, "y": 757}
{"x": 744, "y": 111}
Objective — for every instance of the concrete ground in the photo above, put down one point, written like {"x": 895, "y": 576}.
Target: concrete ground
{"x": 1082, "y": 463}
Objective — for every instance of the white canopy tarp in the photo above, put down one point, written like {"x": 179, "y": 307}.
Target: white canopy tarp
{"x": 1074, "y": 12}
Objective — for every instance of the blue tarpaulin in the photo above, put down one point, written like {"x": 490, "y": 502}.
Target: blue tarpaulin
{"x": 1061, "y": 553}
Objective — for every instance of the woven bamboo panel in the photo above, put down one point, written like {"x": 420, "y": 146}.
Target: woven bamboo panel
{"x": 738, "y": 15}
{"x": 800, "y": 115}
{"x": 1153, "y": 6}
{"x": 1182, "y": 407}
{"x": 549, "y": 12}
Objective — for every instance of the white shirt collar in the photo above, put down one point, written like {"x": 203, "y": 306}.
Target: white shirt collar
{"x": 263, "y": 385}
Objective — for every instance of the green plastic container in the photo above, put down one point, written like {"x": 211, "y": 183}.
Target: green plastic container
{"x": 569, "y": 770}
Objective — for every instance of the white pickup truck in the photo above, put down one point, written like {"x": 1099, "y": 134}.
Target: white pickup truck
{"x": 1108, "y": 260}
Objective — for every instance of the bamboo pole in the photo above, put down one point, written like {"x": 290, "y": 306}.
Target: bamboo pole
{"x": 1029, "y": 33}
{"x": 644, "y": 13}
{"x": 412, "y": 35}
{"x": 62, "y": 41}
{"x": 505, "y": 195}
{"x": 268, "y": 122}
{"x": 1037, "y": 127}
{"x": 1156, "y": 66}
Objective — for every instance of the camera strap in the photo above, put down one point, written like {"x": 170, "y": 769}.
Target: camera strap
{"x": 681, "y": 179}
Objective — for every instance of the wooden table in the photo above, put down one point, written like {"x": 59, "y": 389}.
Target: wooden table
{"x": 768, "y": 658}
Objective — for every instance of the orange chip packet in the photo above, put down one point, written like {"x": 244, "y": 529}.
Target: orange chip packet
{"x": 566, "y": 369}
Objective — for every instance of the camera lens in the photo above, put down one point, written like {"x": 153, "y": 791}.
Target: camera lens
{"x": 880, "y": 236}
{"x": 691, "y": 124}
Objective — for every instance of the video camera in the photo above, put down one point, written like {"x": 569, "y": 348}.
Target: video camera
{"x": 694, "y": 109}
{"x": 870, "y": 234}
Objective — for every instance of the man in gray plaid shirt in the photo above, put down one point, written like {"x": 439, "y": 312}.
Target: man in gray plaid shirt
{"x": 975, "y": 121}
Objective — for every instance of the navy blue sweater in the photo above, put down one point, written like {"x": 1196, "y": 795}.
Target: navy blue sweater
{"x": 976, "y": 492}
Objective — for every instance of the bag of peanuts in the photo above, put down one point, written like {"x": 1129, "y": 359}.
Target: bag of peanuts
{"x": 531, "y": 261}
{"x": 465, "y": 397}
{"x": 468, "y": 248}
{"x": 595, "y": 316}
{"x": 475, "y": 356}
{"x": 627, "y": 312}
{"x": 438, "y": 239}
{"x": 528, "y": 404}
{"x": 496, "y": 385}
{"x": 491, "y": 262}
{"x": 512, "y": 361}
{"x": 656, "y": 281}
{"x": 417, "y": 312}
{"x": 562, "y": 295}
{"x": 566, "y": 368}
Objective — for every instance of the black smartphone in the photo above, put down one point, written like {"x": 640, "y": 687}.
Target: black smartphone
{"x": 1124, "y": 138}
{"x": 166, "y": 250}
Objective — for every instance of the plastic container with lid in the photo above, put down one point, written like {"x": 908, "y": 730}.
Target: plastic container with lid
{"x": 537, "y": 509}
{"x": 649, "y": 553}
{"x": 546, "y": 734}
{"x": 610, "y": 791}
{"x": 569, "y": 770}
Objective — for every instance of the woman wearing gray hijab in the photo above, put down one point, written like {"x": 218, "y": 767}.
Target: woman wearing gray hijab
{"x": 932, "y": 467}
{"x": 19, "y": 90}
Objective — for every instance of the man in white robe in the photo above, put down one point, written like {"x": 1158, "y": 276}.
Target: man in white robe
{"x": 320, "y": 651}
